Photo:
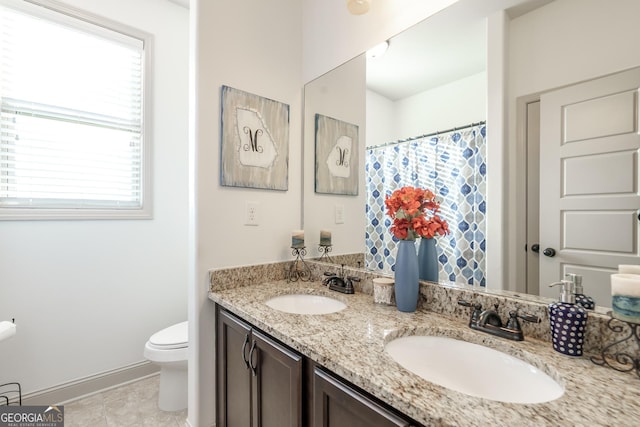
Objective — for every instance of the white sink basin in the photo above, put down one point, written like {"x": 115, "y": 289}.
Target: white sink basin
{"x": 473, "y": 369}
{"x": 305, "y": 304}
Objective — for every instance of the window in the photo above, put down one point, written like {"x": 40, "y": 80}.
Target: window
{"x": 75, "y": 140}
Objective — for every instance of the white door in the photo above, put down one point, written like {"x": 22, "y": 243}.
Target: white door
{"x": 589, "y": 199}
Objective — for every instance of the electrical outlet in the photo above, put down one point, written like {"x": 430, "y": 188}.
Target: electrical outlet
{"x": 339, "y": 214}
{"x": 251, "y": 214}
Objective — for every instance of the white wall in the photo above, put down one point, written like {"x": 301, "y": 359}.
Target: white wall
{"x": 457, "y": 103}
{"x": 332, "y": 36}
{"x": 340, "y": 94}
{"x": 380, "y": 119}
{"x": 568, "y": 41}
{"x": 497, "y": 35}
{"x": 254, "y": 46}
{"x": 86, "y": 295}
{"x": 565, "y": 42}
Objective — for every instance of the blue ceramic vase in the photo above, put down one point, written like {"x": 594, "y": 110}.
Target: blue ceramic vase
{"x": 406, "y": 276}
{"x": 428, "y": 260}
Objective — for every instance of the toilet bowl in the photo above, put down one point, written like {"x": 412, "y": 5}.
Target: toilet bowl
{"x": 168, "y": 349}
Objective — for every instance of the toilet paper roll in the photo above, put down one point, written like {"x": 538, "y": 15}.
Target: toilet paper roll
{"x": 7, "y": 330}
{"x": 628, "y": 269}
{"x": 625, "y": 297}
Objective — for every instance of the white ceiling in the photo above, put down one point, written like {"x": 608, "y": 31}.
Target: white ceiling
{"x": 445, "y": 47}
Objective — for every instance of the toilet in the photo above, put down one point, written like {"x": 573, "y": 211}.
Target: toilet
{"x": 168, "y": 349}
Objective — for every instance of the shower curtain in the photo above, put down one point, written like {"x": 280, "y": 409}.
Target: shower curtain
{"x": 453, "y": 166}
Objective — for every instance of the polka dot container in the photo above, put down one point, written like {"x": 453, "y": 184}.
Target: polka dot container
{"x": 568, "y": 324}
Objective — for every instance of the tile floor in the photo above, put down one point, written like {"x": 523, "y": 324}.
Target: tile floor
{"x": 134, "y": 404}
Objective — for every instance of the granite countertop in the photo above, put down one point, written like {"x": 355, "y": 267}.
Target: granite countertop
{"x": 351, "y": 344}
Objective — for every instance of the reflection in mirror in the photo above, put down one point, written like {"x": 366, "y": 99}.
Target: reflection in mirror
{"x": 452, "y": 165}
{"x": 341, "y": 95}
{"x": 573, "y": 200}
{"x": 428, "y": 92}
{"x": 425, "y": 135}
{"x": 536, "y": 63}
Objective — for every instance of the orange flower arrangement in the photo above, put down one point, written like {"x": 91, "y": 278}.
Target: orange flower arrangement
{"x": 415, "y": 213}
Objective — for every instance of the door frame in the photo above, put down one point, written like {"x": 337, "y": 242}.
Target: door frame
{"x": 517, "y": 255}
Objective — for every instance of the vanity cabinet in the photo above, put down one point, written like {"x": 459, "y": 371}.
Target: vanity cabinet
{"x": 259, "y": 380}
{"x": 337, "y": 404}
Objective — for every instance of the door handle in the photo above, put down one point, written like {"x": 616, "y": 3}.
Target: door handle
{"x": 550, "y": 252}
{"x": 244, "y": 350}
{"x": 535, "y": 248}
{"x": 251, "y": 352}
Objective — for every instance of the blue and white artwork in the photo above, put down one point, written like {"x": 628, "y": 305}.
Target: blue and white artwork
{"x": 336, "y": 156}
{"x": 254, "y": 149}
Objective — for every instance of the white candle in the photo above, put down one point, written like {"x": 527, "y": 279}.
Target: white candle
{"x": 625, "y": 284}
{"x": 625, "y": 297}
{"x": 629, "y": 269}
{"x": 297, "y": 239}
{"x": 325, "y": 237}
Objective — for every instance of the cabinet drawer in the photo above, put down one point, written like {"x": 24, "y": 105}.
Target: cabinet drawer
{"x": 337, "y": 404}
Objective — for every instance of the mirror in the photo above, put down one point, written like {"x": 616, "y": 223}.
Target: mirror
{"x": 344, "y": 93}
{"x": 440, "y": 58}
{"x": 527, "y": 18}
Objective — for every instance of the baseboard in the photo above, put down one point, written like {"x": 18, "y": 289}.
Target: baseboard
{"x": 188, "y": 424}
{"x": 72, "y": 390}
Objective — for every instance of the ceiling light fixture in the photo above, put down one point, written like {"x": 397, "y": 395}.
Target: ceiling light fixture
{"x": 358, "y": 7}
{"x": 378, "y": 50}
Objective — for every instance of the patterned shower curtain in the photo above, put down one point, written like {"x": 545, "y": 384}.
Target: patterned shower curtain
{"x": 453, "y": 166}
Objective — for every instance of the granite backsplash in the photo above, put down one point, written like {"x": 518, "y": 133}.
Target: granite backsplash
{"x": 441, "y": 298}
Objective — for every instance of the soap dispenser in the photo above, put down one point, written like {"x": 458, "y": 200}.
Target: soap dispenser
{"x": 568, "y": 321}
{"x": 581, "y": 298}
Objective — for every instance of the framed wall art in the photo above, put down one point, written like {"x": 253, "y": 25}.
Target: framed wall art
{"x": 336, "y": 156}
{"x": 254, "y": 148}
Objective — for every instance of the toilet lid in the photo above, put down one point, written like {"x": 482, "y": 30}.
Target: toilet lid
{"x": 174, "y": 336}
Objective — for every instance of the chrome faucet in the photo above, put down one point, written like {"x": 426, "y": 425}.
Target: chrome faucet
{"x": 489, "y": 321}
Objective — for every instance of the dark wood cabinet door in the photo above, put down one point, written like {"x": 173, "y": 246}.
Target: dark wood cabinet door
{"x": 335, "y": 404}
{"x": 233, "y": 374}
{"x": 260, "y": 382}
{"x": 276, "y": 385}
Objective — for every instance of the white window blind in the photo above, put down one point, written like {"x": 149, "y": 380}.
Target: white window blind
{"x": 71, "y": 114}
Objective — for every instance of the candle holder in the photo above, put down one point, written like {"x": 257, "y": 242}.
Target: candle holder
{"x": 620, "y": 361}
{"x": 299, "y": 270}
{"x": 324, "y": 250}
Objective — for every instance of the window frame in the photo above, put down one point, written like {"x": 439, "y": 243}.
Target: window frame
{"x": 87, "y": 21}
